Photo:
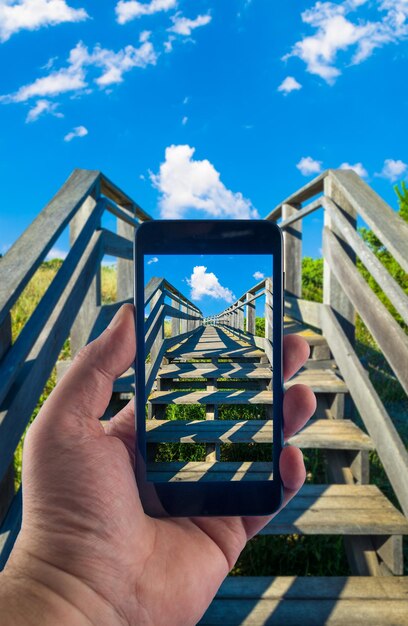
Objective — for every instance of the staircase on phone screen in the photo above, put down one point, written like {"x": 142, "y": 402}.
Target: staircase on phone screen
{"x": 223, "y": 368}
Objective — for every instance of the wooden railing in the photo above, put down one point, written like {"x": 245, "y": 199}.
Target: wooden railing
{"x": 185, "y": 317}
{"x": 239, "y": 318}
{"x": 343, "y": 196}
{"x": 71, "y": 304}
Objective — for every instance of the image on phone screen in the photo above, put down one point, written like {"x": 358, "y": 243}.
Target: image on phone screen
{"x": 208, "y": 367}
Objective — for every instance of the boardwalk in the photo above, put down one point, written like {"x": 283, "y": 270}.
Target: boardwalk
{"x": 225, "y": 369}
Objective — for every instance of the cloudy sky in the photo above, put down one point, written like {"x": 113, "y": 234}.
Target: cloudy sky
{"x": 199, "y": 108}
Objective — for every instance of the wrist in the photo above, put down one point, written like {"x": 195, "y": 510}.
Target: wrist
{"x": 34, "y": 592}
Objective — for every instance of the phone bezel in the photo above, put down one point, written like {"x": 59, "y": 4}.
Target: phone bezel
{"x": 209, "y": 237}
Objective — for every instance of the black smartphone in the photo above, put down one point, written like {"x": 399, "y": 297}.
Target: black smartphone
{"x": 208, "y": 369}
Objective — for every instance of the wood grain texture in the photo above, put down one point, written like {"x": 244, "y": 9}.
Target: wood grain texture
{"x": 319, "y": 434}
{"x": 309, "y": 601}
{"x": 388, "y": 334}
{"x": 378, "y": 423}
{"x": 21, "y": 261}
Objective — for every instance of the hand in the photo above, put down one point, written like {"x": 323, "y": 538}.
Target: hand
{"x": 87, "y": 553}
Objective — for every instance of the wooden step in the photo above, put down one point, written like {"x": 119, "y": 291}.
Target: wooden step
{"x": 215, "y": 370}
{"x": 319, "y": 380}
{"x": 315, "y": 510}
{"x": 243, "y": 352}
{"x": 237, "y": 396}
{"x": 327, "y": 434}
{"x": 309, "y": 601}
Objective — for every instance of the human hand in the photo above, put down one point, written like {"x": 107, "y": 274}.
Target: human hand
{"x": 87, "y": 553}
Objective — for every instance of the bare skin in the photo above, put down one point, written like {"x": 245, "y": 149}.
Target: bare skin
{"x": 87, "y": 554}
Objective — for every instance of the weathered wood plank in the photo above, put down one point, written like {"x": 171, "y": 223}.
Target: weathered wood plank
{"x": 303, "y": 310}
{"x": 125, "y": 268}
{"x": 304, "y": 193}
{"x": 335, "y": 434}
{"x": 309, "y": 601}
{"x": 113, "y": 192}
{"x": 333, "y": 290}
{"x": 390, "y": 287}
{"x": 250, "y": 315}
{"x": 24, "y": 393}
{"x": 116, "y": 245}
{"x": 292, "y": 250}
{"x": 211, "y": 397}
{"x": 7, "y": 482}
{"x": 389, "y": 227}
{"x": 390, "y": 337}
{"x": 21, "y": 261}
{"x": 16, "y": 355}
{"x": 298, "y": 213}
{"x": 390, "y": 448}
{"x": 179, "y": 471}
{"x": 10, "y": 528}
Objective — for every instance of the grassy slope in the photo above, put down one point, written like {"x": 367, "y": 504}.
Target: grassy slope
{"x": 294, "y": 555}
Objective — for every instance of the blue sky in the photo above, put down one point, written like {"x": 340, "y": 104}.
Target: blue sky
{"x": 199, "y": 108}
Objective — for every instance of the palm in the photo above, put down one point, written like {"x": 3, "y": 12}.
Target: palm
{"x": 83, "y": 510}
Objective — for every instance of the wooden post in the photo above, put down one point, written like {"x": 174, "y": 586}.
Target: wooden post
{"x": 7, "y": 483}
{"x": 175, "y": 322}
{"x": 292, "y": 250}
{"x": 85, "y": 319}
{"x": 125, "y": 268}
{"x": 268, "y": 309}
{"x": 213, "y": 452}
{"x": 333, "y": 293}
{"x": 250, "y": 314}
{"x": 160, "y": 333}
{"x": 183, "y": 322}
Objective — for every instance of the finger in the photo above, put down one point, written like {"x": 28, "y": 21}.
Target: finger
{"x": 299, "y": 404}
{"x": 293, "y": 474}
{"x": 85, "y": 391}
{"x": 122, "y": 426}
{"x": 296, "y": 351}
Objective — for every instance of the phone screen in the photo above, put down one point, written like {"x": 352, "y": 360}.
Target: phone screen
{"x": 208, "y": 367}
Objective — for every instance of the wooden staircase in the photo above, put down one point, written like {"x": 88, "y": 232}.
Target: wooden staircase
{"x": 223, "y": 368}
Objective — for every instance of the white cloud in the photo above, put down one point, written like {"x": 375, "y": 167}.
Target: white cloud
{"x": 184, "y": 26}
{"x": 79, "y": 131}
{"x": 337, "y": 31}
{"x": 154, "y": 259}
{"x": 289, "y": 84}
{"x": 73, "y": 77}
{"x": 188, "y": 184}
{"x": 308, "y": 166}
{"x": 358, "y": 168}
{"x": 41, "y": 107}
{"x": 205, "y": 283}
{"x": 127, "y": 10}
{"x": 259, "y": 275}
{"x": 393, "y": 169}
{"x": 16, "y": 15}
{"x": 184, "y": 120}
{"x": 56, "y": 253}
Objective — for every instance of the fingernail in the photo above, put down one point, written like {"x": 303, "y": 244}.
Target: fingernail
{"x": 117, "y": 318}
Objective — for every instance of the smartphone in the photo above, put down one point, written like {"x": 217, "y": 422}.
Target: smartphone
{"x": 208, "y": 369}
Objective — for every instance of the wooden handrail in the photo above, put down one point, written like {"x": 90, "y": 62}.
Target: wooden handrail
{"x": 389, "y": 336}
{"x": 390, "y": 448}
{"x": 21, "y": 261}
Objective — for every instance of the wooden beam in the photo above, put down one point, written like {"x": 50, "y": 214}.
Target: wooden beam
{"x": 113, "y": 192}
{"x": 390, "y": 287}
{"x": 116, "y": 245}
{"x": 88, "y": 311}
{"x": 21, "y": 261}
{"x": 389, "y": 227}
{"x": 292, "y": 251}
{"x": 305, "y": 193}
{"x": 125, "y": 267}
{"x": 297, "y": 213}
{"x": 388, "y": 334}
{"x": 304, "y": 311}
{"x": 14, "y": 359}
{"x": 29, "y": 384}
{"x": 389, "y": 446}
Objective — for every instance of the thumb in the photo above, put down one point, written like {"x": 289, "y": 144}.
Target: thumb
{"x": 83, "y": 394}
